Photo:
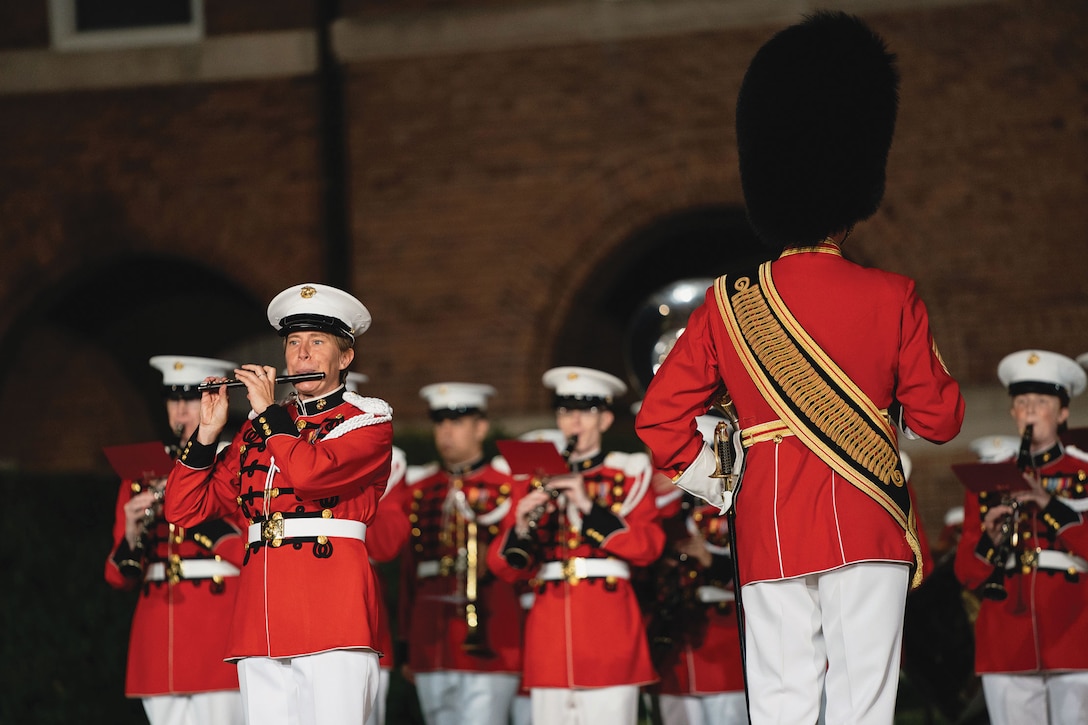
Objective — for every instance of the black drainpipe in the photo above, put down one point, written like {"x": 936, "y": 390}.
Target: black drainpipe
{"x": 333, "y": 149}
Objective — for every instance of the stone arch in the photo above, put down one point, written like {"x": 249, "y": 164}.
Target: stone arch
{"x": 78, "y": 354}
{"x": 701, "y": 241}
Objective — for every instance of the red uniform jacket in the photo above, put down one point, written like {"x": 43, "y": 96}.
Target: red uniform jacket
{"x": 441, "y": 505}
{"x": 1043, "y": 623}
{"x": 385, "y": 540}
{"x": 178, "y": 639}
{"x": 583, "y": 633}
{"x": 326, "y": 458}
{"x": 795, "y": 515}
{"x": 691, "y": 610}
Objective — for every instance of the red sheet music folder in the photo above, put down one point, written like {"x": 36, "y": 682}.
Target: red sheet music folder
{"x": 979, "y": 477}
{"x": 532, "y": 458}
{"x": 139, "y": 461}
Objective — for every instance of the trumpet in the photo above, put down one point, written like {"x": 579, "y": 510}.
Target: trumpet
{"x": 461, "y": 533}
{"x": 475, "y": 642}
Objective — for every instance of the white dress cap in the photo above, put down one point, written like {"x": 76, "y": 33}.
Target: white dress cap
{"x": 954, "y": 516}
{"x": 992, "y": 449}
{"x": 1039, "y": 371}
{"x": 457, "y": 397}
{"x": 583, "y": 384}
{"x": 312, "y": 306}
{"x": 546, "y": 435}
{"x": 182, "y": 373}
{"x": 354, "y": 380}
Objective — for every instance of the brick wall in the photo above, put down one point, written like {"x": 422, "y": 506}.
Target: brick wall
{"x": 509, "y": 209}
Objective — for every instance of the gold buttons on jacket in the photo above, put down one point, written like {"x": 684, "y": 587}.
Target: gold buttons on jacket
{"x": 173, "y": 569}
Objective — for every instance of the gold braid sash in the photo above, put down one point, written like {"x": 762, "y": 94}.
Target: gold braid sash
{"x": 814, "y": 397}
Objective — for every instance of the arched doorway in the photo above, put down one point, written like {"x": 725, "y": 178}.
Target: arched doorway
{"x": 77, "y": 365}
{"x": 693, "y": 243}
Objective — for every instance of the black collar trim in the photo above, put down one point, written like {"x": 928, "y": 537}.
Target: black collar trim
{"x": 1045, "y": 458}
{"x": 468, "y": 468}
{"x": 587, "y": 463}
{"x": 315, "y": 406}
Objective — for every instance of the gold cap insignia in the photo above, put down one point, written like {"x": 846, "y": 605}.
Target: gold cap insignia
{"x": 1032, "y": 359}
{"x": 179, "y": 365}
{"x": 307, "y": 292}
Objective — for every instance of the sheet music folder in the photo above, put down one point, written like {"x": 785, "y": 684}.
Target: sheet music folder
{"x": 532, "y": 458}
{"x": 980, "y": 477}
{"x": 139, "y": 461}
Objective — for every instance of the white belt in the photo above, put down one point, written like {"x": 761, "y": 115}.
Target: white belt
{"x": 193, "y": 569}
{"x": 1056, "y": 560}
{"x": 426, "y": 569}
{"x": 278, "y": 529}
{"x": 714, "y": 595}
{"x": 580, "y": 568}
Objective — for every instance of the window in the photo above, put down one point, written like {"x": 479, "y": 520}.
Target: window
{"x": 105, "y": 24}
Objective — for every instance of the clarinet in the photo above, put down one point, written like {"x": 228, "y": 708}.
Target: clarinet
{"x": 532, "y": 519}
{"x": 133, "y": 567}
{"x": 994, "y": 586}
{"x": 519, "y": 551}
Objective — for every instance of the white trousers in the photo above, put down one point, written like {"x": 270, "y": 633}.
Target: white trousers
{"x": 329, "y": 688}
{"x": 1047, "y": 699}
{"x": 612, "y": 705}
{"x": 457, "y": 698}
{"x": 377, "y": 713}
{"x": 723, "y": 708}
{"x": 204, "y": 708}
{"x": 840, "y": 631}
{"x": 522, "y": 712}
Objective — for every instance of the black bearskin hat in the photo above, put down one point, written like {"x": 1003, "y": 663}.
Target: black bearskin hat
{"x": 815, "y": 118}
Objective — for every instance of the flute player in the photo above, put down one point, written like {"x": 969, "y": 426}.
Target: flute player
{"x": 308, "y": 474}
